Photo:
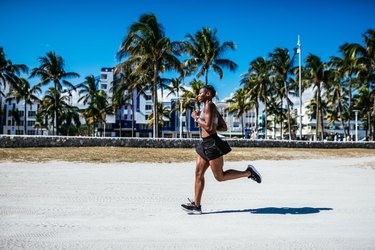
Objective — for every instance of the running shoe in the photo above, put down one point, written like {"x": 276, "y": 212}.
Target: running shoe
{"x": 191, "y": 208}
{"x": 255, "y": 175}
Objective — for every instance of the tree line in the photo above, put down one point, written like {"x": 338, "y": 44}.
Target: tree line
{"x": 343, "y": 84}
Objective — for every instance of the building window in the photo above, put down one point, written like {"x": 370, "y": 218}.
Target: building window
{"x": 103, "y": 76}
{"x": 19, "y": 132}
{"x": 20, "y": 113}
{"x": 30, "y": 123}
{"x": 166, "y": 124}
{"x": 146, "y": 117}
{"x": 148, "y": 107}
{"x": 148, "y": 98}
{"x": 9, "y": 122}
{"x": 31, "y": 132}
{"x": 8, "y": 132}
{"x": 31, "y": 113}
{"x": 103, "y": 86}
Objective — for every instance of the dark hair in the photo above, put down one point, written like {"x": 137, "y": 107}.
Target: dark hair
{"x": 211, "y": 89}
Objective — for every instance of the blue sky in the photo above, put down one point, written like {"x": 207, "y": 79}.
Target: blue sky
{"x": 87, "y": 34}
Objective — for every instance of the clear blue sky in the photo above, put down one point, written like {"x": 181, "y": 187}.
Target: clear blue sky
{"x": 87, "y": 34}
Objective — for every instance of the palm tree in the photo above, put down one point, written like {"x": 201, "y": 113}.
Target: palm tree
{"x": 315, "y": 76}
{"x": 149, "y": 50}
{"x": 366, "y": 67}
{"x": 259, "y": 84}
{"x": 39, "y": 123}
{"x": 98, "y": 109}
{"x": 177, "y": 88}
{"x": 282, "y": 67}
{"x": 348, "y": 67}
{"x": 51, "y": 69}
{"x": 164, "y": 112}
{"x": 70, "y": 120}
{"x": 9, "y": 72}
{"x": 88, "y": 90}
{"x": 239, "y": 104}
{"x": 48, "y": 106}
{"x": 363, "y": 102}
{"x": 206, "y": 52}
{"x": 15, "y": 113}
{"x": 23, "y": 90}
{"x": 336, "y": 98}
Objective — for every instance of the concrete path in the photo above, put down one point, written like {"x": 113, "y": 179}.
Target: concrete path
{"x": 301, "y": 204}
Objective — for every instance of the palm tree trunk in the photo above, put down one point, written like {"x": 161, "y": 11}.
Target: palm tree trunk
{"x": 243, "y": 128}
{"x": 24, "y": 118}
{"x": 281, "y": 120}
{"x": 155, "y": 104}
{"x": 342, "y": 120}
{"x": 265, "y": 120}
{"x": 290, "y": 131}
{"x": 350, "y": 104}
{"x": 317, "y": 114}
{"x": 133, "y": 114}
{"x": 206, "y": 76}
{"x": 322, "y": 123}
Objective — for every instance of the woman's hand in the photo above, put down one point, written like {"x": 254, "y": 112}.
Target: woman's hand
{"x": 195, "y": 114}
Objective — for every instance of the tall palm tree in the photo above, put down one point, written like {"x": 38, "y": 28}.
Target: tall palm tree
{"x": 177, "y": 88}
{"x": 347, "y": 65}
{"x": 9, "y": 74}
{"x": 363, "y": 102}
{"x": 206, "y": 52}
{"x": 23, "y": 91}
{"x": 51, "y": 69}
{"x": 149, "y": 50}
{"x": 259, "y": 84}
{"x": 366, "y": 67}
{"x": 315, "y": 76}
{"x": 282, "y": 67}
{"x": 239, "y": 104}
{"x": 337, "y": 99}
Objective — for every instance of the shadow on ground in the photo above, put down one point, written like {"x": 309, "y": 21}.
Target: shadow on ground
{"x": 274, "y": 210}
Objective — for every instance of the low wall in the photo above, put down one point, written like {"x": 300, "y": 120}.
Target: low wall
{"x": 22, "y": 141}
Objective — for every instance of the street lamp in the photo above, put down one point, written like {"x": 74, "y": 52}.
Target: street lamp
{"x": 356, "y": 126}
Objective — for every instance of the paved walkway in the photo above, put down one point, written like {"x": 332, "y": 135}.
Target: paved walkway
{"x": 302, "y": 204}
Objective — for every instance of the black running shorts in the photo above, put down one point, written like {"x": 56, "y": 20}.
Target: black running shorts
{"x": 212, "y": 147}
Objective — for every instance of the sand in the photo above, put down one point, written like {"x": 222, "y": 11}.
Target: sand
{"x": 301, "y": 204}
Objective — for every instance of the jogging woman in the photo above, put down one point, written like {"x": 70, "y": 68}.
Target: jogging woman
{"x": 211, "y": 149}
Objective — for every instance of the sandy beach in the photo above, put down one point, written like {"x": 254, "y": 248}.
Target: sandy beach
{"x": 301, "y": 204}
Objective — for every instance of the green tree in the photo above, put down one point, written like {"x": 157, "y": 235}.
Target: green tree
{"x": 366, "y": 68}
{"x": 51, "y": 69}
{"x": 239, "y": 105}
{"x": 150, "y": 51}
{"x": 259, "y": 85}
{"x": 23, "y": 91}
{"x": 48, "y": 106}
{"x": 9, "y": 72}
{"x": 206, "y": 52}
{"x": 315, "y": 76}
{"x": 282, "y": 68}
{"x": 164, "y": 113}
{"x": 347, "y": 65}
